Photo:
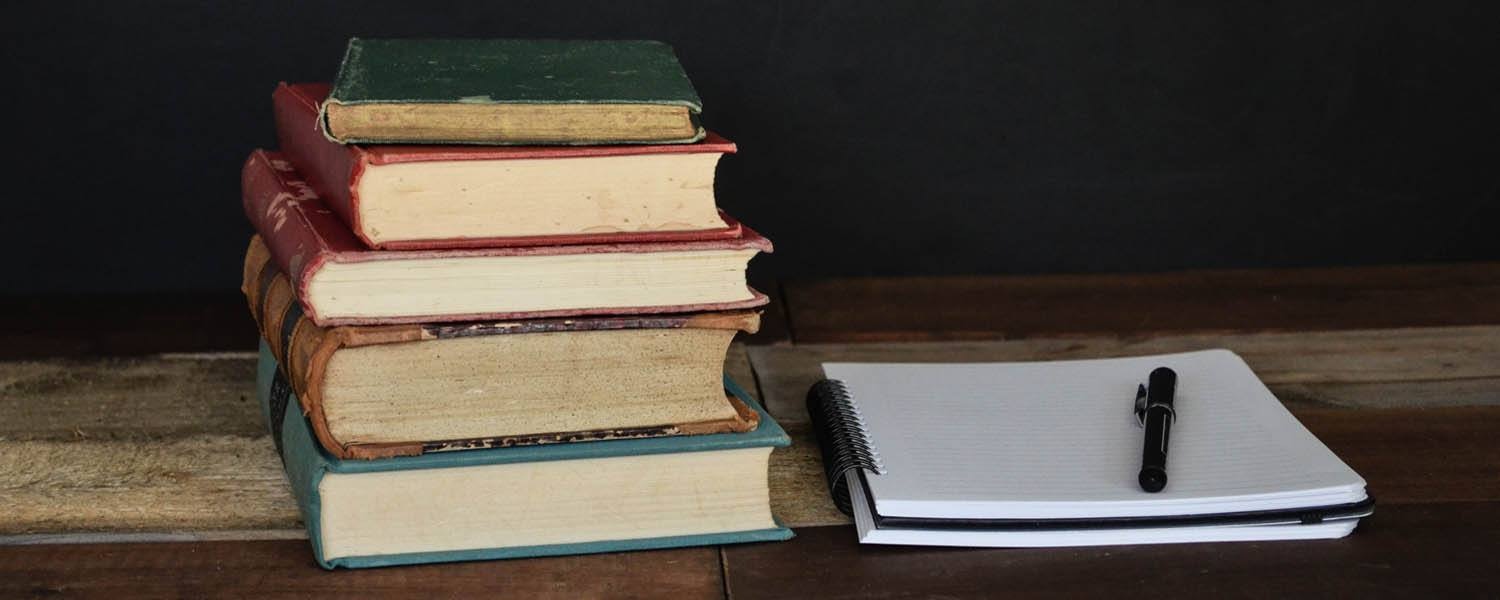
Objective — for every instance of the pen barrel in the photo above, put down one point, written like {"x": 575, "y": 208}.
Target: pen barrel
{"x": 1158, "y": 422}
{"x": 1153, "y": 476}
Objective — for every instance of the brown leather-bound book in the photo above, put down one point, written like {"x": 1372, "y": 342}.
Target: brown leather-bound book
{"x": 403, "y": 389}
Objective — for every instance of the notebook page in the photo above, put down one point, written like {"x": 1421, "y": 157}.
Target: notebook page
{"x": 1059, "y": 439}
{"x": 864, "y": 522}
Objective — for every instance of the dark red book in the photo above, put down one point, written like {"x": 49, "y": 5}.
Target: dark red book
{"x": 416, "y": 197}
{"x": 339, "y": 281}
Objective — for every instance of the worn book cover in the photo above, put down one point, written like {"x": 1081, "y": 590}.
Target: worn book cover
{"x": 511, "y": 91}
{"x": 308, "y": 467}
{"x": 304, "y": 237}
{"x": 306, "y": 350}
{"x": 337, "y": 172}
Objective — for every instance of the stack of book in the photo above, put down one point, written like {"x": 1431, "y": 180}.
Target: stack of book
{"x": 495, "y": 295}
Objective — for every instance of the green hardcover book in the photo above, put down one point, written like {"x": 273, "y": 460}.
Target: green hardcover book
{"x": 511, "y": 92}
{"x": 573, "y": 498}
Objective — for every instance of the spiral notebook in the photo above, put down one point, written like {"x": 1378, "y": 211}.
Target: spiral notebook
{"x": 1047, "y": 453}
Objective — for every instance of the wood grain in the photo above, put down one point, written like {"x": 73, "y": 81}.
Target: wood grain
{"x": 1419, "y": 550}
{"x": 285, "y": 569}
{"x": 138, "y": 398}
{"x": 1416, "y": 455}
{"x": 1428, "y": 366}
{"x": 799, "y": 488}
{"x": 989, "y": 307}
{"x": 193, "y": 483}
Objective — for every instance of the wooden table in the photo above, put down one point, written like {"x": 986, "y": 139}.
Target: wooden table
{"x": 112, "y": 411}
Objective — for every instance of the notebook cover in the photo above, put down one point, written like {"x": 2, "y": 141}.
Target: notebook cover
{"x": 306, "y": 464}
{"x": 334, "y": 170}
{"x": 306, "y": 349}
{"x": 302, "y": 235}
{"x": 512, "y": 71}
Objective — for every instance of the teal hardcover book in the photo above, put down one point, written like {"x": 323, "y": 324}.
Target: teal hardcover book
{"x": 511, "y": 91}
{"x": 574, "y": 498}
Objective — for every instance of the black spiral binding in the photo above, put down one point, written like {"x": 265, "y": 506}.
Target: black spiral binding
{"x": 841, "y": 433}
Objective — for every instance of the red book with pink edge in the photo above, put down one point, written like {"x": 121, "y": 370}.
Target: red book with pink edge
{"x": 340, "y": 281}
{"x": 621, "y": 193}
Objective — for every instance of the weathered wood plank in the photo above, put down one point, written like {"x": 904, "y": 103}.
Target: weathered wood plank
{"x": 990, "y": 307}
{"x": 285, "y": 569}
{"x": 1483, "y": 391}
{"x": 1426, "y": 551}
{"x": 194, "y": 483}
{"x": 1434, "y": 366}
{"x": 799, "y": 489}
{"x": 1416, "y": 455}
{"x": 129, "y": 398}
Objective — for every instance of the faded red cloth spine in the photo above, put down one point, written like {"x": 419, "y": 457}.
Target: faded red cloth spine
{"x": 300, "y": 231}
{"x": 333, "y": 169}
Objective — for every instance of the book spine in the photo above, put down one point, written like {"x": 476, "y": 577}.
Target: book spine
{"x": 331, "y": 168}
{"x": 273, "y": 204}
{"x": 840, "y": 429}
{"x": 278, "y": 315}
{"x": 303, "y": 349}
{"x": 303, "y": 463}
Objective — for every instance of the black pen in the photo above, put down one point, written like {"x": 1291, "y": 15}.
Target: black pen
{"x": 1153, "y": 409}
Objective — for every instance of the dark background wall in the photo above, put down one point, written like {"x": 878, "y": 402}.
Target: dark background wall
{"x": 876, "y": 137}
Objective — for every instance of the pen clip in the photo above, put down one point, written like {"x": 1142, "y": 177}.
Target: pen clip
{"x": 1143, "y": 402}
{"x": 1140, "y": 405}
